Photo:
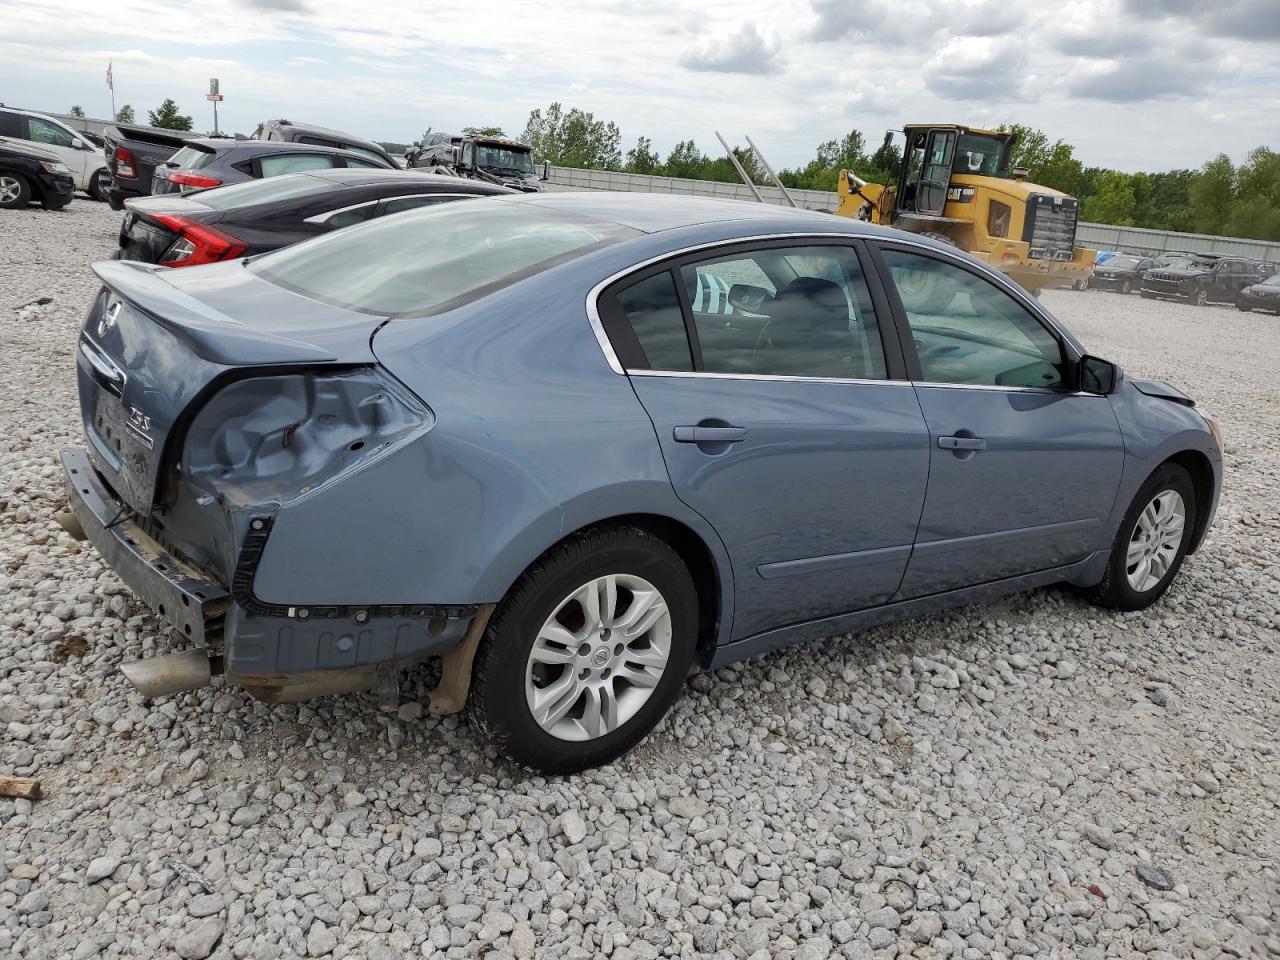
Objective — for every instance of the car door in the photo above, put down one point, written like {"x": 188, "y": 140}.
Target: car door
{"x": 783, "y": 420}
{"x": 935, "y": 177}
{"x": 1023, "y": 468}
{"x": 57, "y": 139}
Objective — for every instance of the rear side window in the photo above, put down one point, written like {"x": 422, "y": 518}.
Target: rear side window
{"x": 652, "y": 310}
{"x": 11, "y": 125}
{"x": 279, "y": 164}
{"x": 427, "y": 261}
{"x": 288, "y": 187}
{"x": 191, "y": 158}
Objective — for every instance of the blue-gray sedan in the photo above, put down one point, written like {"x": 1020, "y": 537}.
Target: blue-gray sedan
{"x": 574, "y": 443}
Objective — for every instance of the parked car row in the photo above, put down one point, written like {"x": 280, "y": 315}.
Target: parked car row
{"x": 82, "y": 158}
{"x": 1204, "y": 278}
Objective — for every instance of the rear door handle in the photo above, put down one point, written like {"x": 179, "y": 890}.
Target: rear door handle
{"x": 962, "y": 443}
{"x": 709, "y": 434}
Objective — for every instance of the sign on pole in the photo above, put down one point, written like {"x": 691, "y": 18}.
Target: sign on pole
{"x": 215, "y": 98}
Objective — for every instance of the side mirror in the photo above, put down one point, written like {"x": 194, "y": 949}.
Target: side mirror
{"x": 457, "y": 156}
{"x": 745, "y": 296}
{"x": 83, "y": 144}
{"x": 1098, "y": 375}
{"x": 546, "y": 170}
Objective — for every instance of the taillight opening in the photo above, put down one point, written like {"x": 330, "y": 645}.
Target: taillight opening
{"x": 194, "y": 180}
{"x": 197, "y": 242}
{"x": 124, "y": 164}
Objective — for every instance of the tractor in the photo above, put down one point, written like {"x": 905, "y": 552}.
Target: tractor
{"x": 955, "y": 185}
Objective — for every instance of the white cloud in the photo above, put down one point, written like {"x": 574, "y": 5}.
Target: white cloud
{"x": 746, "y": 51}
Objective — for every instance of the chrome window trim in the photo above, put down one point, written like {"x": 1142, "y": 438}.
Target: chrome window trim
{"x": 1008, "y": 286}
{"x": 324, "y": 217}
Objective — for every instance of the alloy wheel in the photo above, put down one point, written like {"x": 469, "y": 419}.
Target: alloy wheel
{"x": 598, "y": 657}
{"x": 1156, "y": 537}
{"x": 1201, "y": 297}
{"x": 10, "y": 189}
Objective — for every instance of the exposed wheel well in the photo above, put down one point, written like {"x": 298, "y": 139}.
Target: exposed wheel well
{"x": 695, "y": 555}
{"x": 1201, "y": 470}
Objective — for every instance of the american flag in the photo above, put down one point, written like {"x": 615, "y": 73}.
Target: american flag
{"x": 110, "y": 86}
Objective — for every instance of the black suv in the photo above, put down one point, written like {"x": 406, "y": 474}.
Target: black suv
{"x": 28, "y": 174}
{"x": 287, "y": 131}
{"x": 1203, "y": 278}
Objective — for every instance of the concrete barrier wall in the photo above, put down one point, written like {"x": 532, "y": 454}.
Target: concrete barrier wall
{"x": 1100, "y": 236}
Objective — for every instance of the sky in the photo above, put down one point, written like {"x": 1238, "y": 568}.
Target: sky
{"x": 1133, "y": 84}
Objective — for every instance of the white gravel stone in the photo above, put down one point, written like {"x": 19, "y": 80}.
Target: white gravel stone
{"x": 943, "y": 787}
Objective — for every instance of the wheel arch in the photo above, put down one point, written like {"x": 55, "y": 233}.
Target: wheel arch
{"x": 1202, "y": 480}
{"x": 712, "y": 579}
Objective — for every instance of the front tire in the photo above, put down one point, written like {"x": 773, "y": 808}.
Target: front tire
{"x": 587, "y": 652}
{"x": 1126, "y": 288}
{"x": 1200, "y": 297}
{"x": 1153, "y": 540}
{"x": 15, "y": 192}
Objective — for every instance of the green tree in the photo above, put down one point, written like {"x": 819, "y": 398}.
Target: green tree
{"x": 1114, "y": 202}
{"x": 125, "y": 115}
{"x": 1256, "y": 210}
{"x": 167, "y": 116}
{"x": 76, "y": 111}
{"x": 483, "y": 131}
{"x": 686, "y": 160}
{"x": 1212, "y": 195}
{"x": 642, "y": 158}
{"x": 1048, "y": 164}
{"x": 574, "y": 139}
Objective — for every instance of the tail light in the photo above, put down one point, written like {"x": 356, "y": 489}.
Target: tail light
{"x": 124, "y": 164}
{"x": 197, "y": 242}
{"x": 193, "y": 180}
{"x": 278, "y": 438}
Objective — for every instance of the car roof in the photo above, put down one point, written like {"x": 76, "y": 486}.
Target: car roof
{"x": 654, "y": 212}
{"x": 366, "y": 177}
{"x": 327, "y": 132}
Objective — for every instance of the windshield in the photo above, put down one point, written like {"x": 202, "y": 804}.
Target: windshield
{"x": 1189, "y": 263}
{"x": 287, "y": 187}
{"x": 504, "y": 158}
{"x": 1272, "y": 281}
{"x": 1123, "y": 262}
{"x": 191, "y": 158}
{"x": 434, "y": 259}
{"x": 978, "y": 154}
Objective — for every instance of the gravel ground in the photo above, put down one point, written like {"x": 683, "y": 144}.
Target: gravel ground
{"x": 1035, "y": 777}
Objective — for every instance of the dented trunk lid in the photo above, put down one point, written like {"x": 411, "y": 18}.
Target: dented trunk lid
{"x": 157, "y": 342}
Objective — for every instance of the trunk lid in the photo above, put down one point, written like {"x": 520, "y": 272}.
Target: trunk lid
{"x": 143, "y": 237}
{"x": 158, "y": 341}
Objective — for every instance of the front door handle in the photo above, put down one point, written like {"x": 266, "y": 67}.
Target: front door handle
{"x": 962, "y": 443}
{"x": 709, "y": 434}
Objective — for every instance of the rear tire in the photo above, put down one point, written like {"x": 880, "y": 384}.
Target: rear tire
{"x": 98, "y": 185}
{"x": 15, "y": 192}
{"x": 1147, "y": 536}
{"x": 1126, "y": 287}
{"x": 551, "y": 686}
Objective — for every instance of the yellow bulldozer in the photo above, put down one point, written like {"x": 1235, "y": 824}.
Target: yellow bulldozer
{"x": 955, "y": 184}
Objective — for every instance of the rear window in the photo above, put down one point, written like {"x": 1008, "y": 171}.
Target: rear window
{"x": 430, "y": 260}
{"x": 288, "y": 187}
{"x": 191, "y": 158}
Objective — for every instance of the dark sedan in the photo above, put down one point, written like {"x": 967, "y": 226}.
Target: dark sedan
{"x": 216, "y": 161}
{"x": 1123, "y": 273}
{"x": 1261, "y": 296}
{"x": 28, "y": 174}
{"x": 250, "y": 218}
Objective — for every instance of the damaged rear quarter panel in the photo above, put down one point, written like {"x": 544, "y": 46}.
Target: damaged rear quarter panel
{"x": 534, "y": 438}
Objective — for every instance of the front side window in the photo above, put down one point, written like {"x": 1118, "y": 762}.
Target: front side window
{"x": 294, "y": 163}
{"x": 966, "y": 330}
{"x": 42, "y": 131}
{"x": 801, "y": 311}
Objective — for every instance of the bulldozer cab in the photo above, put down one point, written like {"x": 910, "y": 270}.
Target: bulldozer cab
{"x": 933, "y": 153}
